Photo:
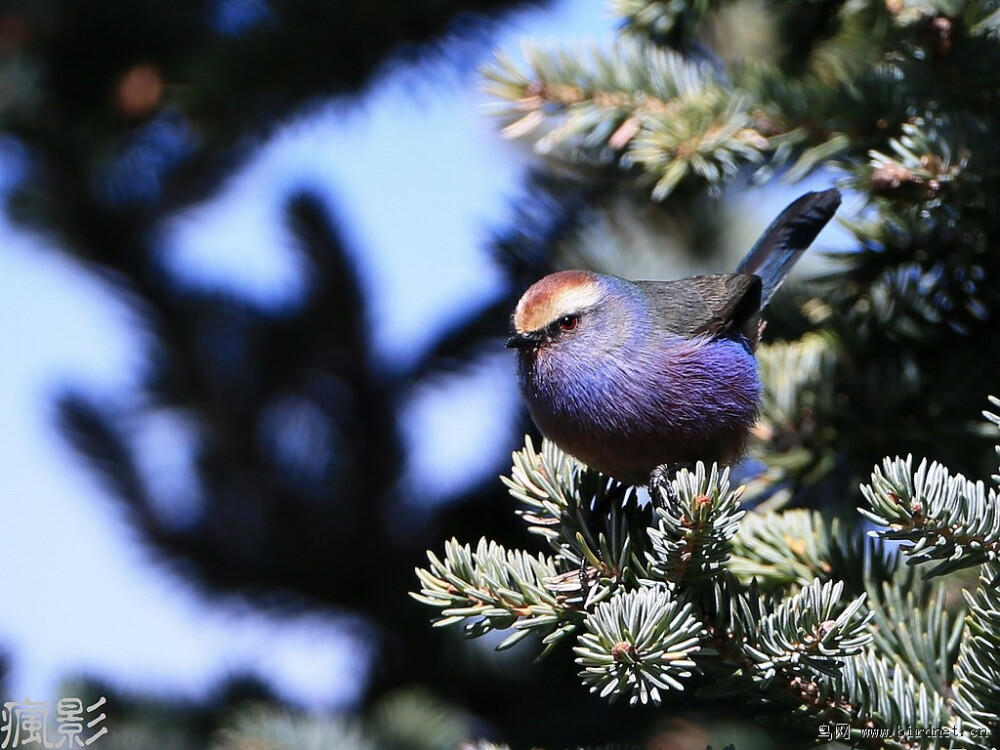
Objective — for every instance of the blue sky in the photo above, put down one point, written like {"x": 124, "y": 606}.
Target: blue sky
{"x": 82, "y": 594}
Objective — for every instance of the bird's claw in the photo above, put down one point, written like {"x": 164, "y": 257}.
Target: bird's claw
{"x": 584, "y": 579}
{"x": 662, "y": 478}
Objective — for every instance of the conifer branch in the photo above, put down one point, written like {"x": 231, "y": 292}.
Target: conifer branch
{"x": 658, "y": 20}
{"x": 695, "y": 525}
{"x": 809, "y": 634}
{"x": 977, "y": 670}
{"x": 917, "y": 625}
{"x": 643, "y": 627}
{"x": 582, "y": 515}
{"x": 862, "y": 690}
{"x": 920, "y": 158}
{"x": 878, "y": 699}
{"x": 632, "y": 105}
{"x": 782, "y": 550}
{"x": 786, "y": 651}
{"x": 492, "y": 588}
{"x": 639, "y": 643}
{"x": 941, "y": 517}
{"x": 814, "y": 649}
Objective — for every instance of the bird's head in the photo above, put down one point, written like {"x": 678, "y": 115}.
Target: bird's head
{"x": 561, "y": 308}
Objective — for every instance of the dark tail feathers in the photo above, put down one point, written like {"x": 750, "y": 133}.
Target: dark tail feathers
{"x": 782, "y": 243}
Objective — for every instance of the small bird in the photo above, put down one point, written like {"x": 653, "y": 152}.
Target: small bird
{"x": 629, "y": 376}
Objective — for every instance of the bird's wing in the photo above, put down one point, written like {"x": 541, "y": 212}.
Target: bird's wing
{"x": 711, "y": 305}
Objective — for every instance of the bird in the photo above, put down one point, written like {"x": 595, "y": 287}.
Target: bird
{"x": 631, "y": 377}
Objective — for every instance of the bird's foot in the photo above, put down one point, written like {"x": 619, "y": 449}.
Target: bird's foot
{"x": 663, "y": 477}
{"x": 584, "y": 578}
{"x": 661, "y": 488}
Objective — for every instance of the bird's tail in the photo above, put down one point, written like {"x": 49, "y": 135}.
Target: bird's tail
{"x": 782, "y": 243}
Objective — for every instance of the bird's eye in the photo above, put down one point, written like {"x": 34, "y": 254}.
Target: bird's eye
{"x": 569, "y": 322}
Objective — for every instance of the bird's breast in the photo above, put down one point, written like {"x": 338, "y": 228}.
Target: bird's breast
{"x": 625, "y": 412}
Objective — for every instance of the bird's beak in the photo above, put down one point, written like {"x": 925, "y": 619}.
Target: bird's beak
{"x": 524, "y": 340}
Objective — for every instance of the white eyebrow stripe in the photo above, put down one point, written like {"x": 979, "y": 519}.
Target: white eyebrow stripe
{"x": 579, "y": 298}
{"x": 532, "y": 313}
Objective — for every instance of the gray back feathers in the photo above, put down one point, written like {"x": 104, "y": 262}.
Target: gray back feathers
{"x": 730, "y": 304}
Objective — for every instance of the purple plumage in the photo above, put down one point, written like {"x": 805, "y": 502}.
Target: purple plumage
{"x": 628, "y": 376}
